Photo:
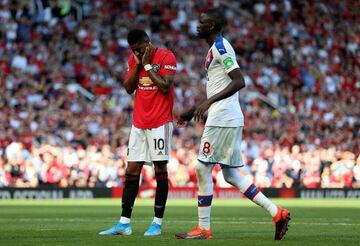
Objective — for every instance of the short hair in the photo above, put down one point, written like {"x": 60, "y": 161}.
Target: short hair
{"x": 136, "y": 36}
{"x": 217, "y": 15}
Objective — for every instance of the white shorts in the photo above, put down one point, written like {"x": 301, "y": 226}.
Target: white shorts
{"x": 150, "y": 144}
{"x": 221, "y": 145}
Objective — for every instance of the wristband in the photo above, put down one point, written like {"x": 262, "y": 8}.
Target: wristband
{"x": 147, "y": 67}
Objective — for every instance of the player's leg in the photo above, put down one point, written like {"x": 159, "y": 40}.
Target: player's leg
{"x": 280, "y": 215}
{"x": 131, "y": 188}
{"x": 212, "y": 143}
{"x": 159, "y": 140}
{"x": 205, "y": 195}
{"x": 233, "y": 177}
{"x": 162, "y": 189}
{"x": 243, "y": 184}
{"x": 204, "y": 168}
{"x": 138, "y": 153}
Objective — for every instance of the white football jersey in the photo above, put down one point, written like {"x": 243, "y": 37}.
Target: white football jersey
{"x": 221, "y": 60}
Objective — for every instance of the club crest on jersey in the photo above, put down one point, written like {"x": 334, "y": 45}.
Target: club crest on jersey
{"x": 145, "y": 81}
{"x": 156, "y": 67}
{"x": 209, "y": 59}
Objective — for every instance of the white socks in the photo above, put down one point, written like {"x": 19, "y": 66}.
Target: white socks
{"x": 204, "y": 217}
{"x": 157, "y": 220}
{"x": 205, "y": 194}
{"x": 249, "y": 189}
{"x": 261, "y": 200}
{"x": 124, "y": 220}
{"x": 206, "y": 186}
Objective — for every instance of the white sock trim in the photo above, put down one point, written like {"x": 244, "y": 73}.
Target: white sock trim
{"x": 157, "y": 220}
{"x": 204, "y": 214}
{"x": 124, "y": 220}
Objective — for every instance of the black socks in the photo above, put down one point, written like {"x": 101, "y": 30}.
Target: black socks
{"x": 129, "y": 194}
{"x": 162, "y": 188}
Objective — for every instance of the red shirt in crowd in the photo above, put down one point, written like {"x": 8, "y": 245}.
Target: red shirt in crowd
{"x": 152, "y": 108}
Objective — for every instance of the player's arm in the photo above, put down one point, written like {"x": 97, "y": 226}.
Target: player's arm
{"x": 185, "y": 117}
{"x": 236, "y": 84}
{"x": 197, "y": 112}
{"x": 200, "y": 108}
{"x": 131, "y": 83}
{"x": 163, "y": 82}
{"x": 225, "y": 55}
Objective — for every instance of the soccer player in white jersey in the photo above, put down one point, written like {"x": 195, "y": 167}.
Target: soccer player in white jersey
{"x": 220, "y": 142}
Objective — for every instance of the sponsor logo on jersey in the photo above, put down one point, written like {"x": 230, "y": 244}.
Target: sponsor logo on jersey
{"x": 146, "y": 84}
{"x": 147, "y": 88}
{"x": 170, "y": 67}
{"x": 228, "y": 62}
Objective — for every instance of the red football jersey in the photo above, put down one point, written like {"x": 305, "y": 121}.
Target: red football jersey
{"x": 152, "y": 108}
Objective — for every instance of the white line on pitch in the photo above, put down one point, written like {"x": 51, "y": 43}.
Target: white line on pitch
{"x": 240, "y": 222}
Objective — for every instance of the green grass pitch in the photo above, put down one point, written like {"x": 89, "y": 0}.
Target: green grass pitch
{"x": 234, "y": 222}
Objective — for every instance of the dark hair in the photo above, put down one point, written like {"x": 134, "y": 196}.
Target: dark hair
{"x": 136, "y": 36}
{"x": 217, "y": 15}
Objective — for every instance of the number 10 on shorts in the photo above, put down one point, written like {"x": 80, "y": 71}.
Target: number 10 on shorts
{"x": 159, "y": 143}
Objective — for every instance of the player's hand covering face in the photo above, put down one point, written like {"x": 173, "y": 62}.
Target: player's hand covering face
{"x": 149, "y": 50}
{"x": 139, "y": 50}
{"x": 137, "y": 60}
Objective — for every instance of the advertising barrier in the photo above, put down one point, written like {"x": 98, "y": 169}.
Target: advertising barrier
{"x": 54, "y": 193}
{"x": 174, "y": 193}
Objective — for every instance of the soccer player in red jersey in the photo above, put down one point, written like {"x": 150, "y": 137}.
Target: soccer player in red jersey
{"x": 151, "y": 72}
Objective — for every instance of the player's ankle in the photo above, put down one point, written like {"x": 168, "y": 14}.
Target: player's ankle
{"x": 204, "y": 228}
{"x": 277, "y": 216}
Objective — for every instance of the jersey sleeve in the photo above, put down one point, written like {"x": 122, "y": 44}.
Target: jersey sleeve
{"x": 168, "y": 65}
{"x": 130, "y": 65}
{"x": 225, "y": 54}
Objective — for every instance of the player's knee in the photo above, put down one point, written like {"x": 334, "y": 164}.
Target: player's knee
{"x": 205, "y": 181}
{"x": 160, "y": 166}
{"x": 134, "y": 168}
{"x": 203, "y": 172}
{"x": 200, "y": 169}
{"x": 228, "y": 175}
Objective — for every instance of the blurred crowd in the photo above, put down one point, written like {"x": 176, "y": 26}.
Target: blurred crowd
{"x": 65, "y": 117}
